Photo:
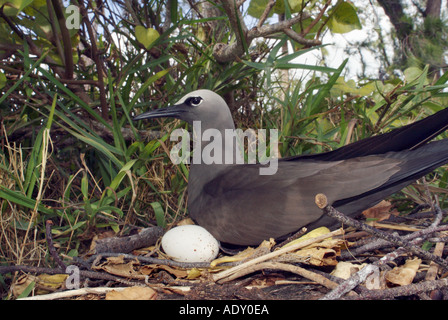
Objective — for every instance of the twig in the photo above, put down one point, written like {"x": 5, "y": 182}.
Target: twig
{"x": 317, "y": 19}
{"x": 51, "y": 247}
{"x": 82, "y": 273}
{"x": 229, "y": 272}
{"x": 433, "y": 270}
{"x": 265, "y": 14}
{"x": 322, "y": 202}
{"x": 405, "y": 290}
{"x": 67, "y": 57}
{"x": 300, "y": 39}
{"x": 171, "y": 263}
{"x": 223, "y": 52}
{"x": 295, "y": 236}
{"x": 380, "y": 243}
{"x": 284, "y": 267}
{"x": 351, "y": 283}
{"x": 97, "y": 57}
{"x": 362, "y": 275}
{"x": 73, "y": 293}
{"x": 144, "y": 238}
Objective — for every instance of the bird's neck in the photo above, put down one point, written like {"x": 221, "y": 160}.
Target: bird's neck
{"x": 214, "y": 149}
{"x": 216, "y": 145}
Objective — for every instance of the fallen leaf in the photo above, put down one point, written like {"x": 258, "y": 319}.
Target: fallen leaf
{"x": 186, "y": 221}
{"x": 117, "y": 266}
{"x": 194, "y": 274}
{"x": 321, "y": 254}
{"x": 312, "y": 234}
{"x": 22, "y": 283}
{"x": 132, "y": 293}
{"x": 54, "y": 281}
{"x": 345, "y": 270}
{"x": 404, "y": 274}
{"x": 177, "y": 272}
{"x": 248, "y": 253}
{"x": 44, "y": 283}
{"x": 381, "y": 211}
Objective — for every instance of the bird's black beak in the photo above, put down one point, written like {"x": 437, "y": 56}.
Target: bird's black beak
{"x": 175, "y": 111}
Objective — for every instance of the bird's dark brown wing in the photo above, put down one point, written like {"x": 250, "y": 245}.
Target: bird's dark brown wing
{"x": 240, "y": 206}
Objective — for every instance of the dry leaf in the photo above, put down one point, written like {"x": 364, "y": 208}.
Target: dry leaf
{"x": 313, "y": 256}
{"x": 248, "y": 253}
{"x": 194, "y": 274}
{"x": 322, "y": 253}
{"x": 404, "y": 274}
{"x": 21, "y": 284}
{"x": 54, "y": 281}
{"x": 132, "y": 293}
{"x": 312, "y": 234}
{"x": 345, "y": 270}
{"x": 44, "y": 283}
{"x": 186, "y": 221}
{"x": 117, "y": 266}
{"x": 381, "y": 211}
{"x": 102, "y": 235}
{"x": 177, "y": 272}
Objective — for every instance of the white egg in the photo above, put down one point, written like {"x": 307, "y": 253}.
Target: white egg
{"x": 190, "y": 243}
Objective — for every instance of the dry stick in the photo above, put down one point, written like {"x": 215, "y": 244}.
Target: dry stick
{"x": 229, "y": 272}
{"x": 322, "y": 203}
{"x": 265, "y": 14}
{"x": 293, "y": 237}
{"x": 380, "y": 243}
{"x": 433, "y": 268}
{"x": 283, "y": 267}
{"x": 362, "y": 275}
{"x": 145, "y": 238}
{"x": 73, "y": 293}
{"x": 51, "y": 247}
{"x": 82, "y": 273}
{"x": 171, "y": 263}
{"x": 406, "y": 290}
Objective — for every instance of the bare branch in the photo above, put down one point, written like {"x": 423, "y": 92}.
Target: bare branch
{"x": 298, "y": 38}
{"x": 225, "y": 52}
{"x": 265, "y": 14}
{"x": 68, "y": 58}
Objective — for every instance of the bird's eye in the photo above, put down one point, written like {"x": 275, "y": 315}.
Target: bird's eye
{"x": 194, "y": 101}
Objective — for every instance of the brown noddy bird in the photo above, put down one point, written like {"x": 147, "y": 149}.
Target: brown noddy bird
{"x": 239, "y": 206}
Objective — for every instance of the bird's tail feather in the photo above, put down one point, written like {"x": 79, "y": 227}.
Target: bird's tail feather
{"x": 411, "y": 136}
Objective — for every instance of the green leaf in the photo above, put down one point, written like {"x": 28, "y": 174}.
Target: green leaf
{"x": 24, "y": 76}
{"x": 13, "y": 7}
{"x": 145, "y": 86}
{"x": 343, "y": 18}
{"x": 146, "y": 36}
{"x": 25, "y": 293}
{"x": 159, "y": 213}
{"x": 296, "y": 5}
{"x": 257, "y": 7}
{"x": 22, "y": 200}
{"x": 304, "y": 67}
{"x": 2, "y": 80}
{"x": 117, "y": 180}
{"x": 85, "y": 186}
{"x": 412, "y": 73}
